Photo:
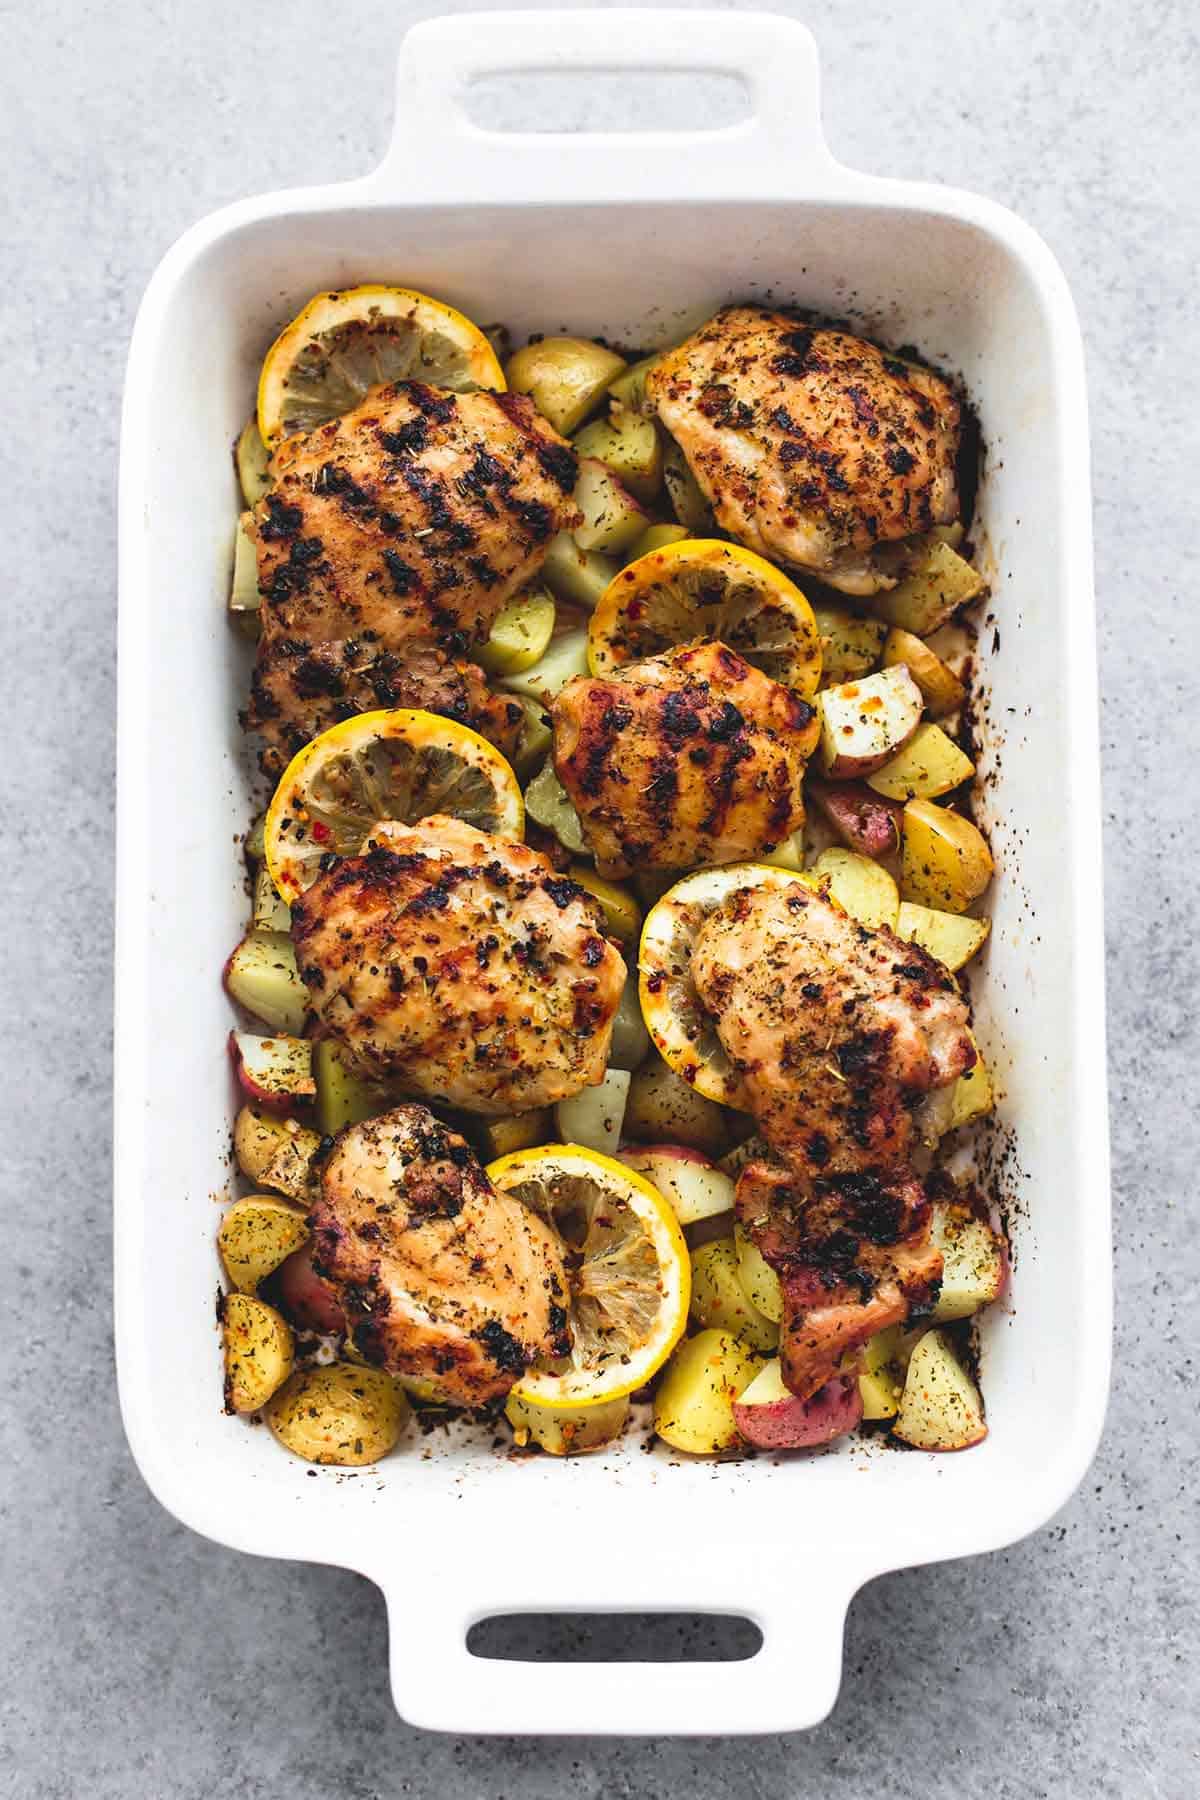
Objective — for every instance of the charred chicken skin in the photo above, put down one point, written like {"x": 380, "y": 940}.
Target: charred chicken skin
{"x": 692, "y": 757}
{"x": 836, "y": 1032}
{"x": 389, "y": 542}
{"x": 812, "y": 446}
{"x": 300, "y": 690}
{"x": 461, "y": 967}
{"x": 441, "y": 1278}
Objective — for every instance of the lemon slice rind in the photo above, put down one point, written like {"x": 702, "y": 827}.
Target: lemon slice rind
{"x": 682, "y": 1032}
{"x": 346, "y": 342}
{"x": 702, "y": 589}
{"x": 631, "y": 1287}
{"x": 402, "y": 764}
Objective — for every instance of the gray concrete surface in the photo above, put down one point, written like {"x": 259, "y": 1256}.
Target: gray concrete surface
{"x": 136, "y": 1660}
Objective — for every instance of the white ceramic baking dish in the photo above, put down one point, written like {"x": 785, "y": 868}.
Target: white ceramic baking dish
{"x": 628, "y": 236}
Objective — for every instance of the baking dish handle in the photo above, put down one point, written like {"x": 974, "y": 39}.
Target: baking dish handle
{"x": 438, "y": 154}
{"x": 790, "y": 1683}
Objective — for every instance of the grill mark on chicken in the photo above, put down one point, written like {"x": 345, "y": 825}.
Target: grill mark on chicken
{"x": 692, "y": 757}
{"x": 836, "y": 1032}
{"x": 460, "y": 967}
{"x": 440, "y": 1276}
{"x": 811, "y": 445}
{"x": 406, "y": 524}
{"x": 300, "y": 689}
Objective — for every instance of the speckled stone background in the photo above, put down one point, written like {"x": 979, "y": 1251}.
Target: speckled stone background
{"x": 135, "y": 1659}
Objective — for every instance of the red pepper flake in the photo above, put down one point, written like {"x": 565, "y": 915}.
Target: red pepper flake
{"x": 321, "y": 833}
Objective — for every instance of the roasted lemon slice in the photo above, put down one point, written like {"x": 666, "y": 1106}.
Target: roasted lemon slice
{"x": 703, "y": 588}
{"x": 344, "y": 343}
{"x": 683, "y": 1032}
{"x": 628, "y": 1268}
{"x": 383, "y": 765}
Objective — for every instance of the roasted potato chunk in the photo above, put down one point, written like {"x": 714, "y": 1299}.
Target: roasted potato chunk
{"x": 565, "y": 377}
{"x": 945, "y": 860}
{"x": 259, "y": 1351}
{"x": 344, "y": 1413}
{"x": 256, "y": 1235}
{"x": 275, "y": 1153}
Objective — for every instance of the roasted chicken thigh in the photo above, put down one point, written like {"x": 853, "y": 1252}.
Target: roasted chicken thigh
{"x": 393, "y": 533}
{"x": 836, "y": 1032}
{"x": 441, "y": 1278}
{"x": 811, "y": 446}
{"x": 460, "y": 967}
{"x": 692, "y": 757}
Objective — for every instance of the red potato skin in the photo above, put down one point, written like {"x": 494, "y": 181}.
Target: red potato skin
{"x": 864, "y": 820}
{"x": 948, "y": 1449}
{"x": 305, "y": 1299}
{"x": 277, "y": 1099}
{"x": 793, "y": 1424}
{"x": 680, "y": 1152}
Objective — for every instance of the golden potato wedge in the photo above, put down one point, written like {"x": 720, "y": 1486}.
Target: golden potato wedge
{"x": 259, "y": 1352}
{"x": 952, "y": 937}
{"x": 860, "y": 886}
{"x": 881, "y": 1374}
{"x": 275, "y": 1153}
{"x": 631, "y": 447}
{"x": 536, "y": 739}
{"x": 520, "y": 634}
{"x": 693, "y": 1408}
{"x": 663, "y": 1108}
{"x": 256, "y": 1235}
{"x": 928, "y": 765}
{"x": 252, "y": 460}
{"x": 342, "y": 1097}
{"x": 655, "y": 537}
{"x": 937, "y": 582}
{"x": 565, "y": 377}
{"x": 262, "y": 976}
{"x": 566, "y": 656}
{"x": 719, "y": 1300}
{"x": 865, "y": 723}
{"x": 759, "y": 1280}
{"x": 560, "y": 1432}
{"x": 627, "y": 390}
{"x": 520, "y": 1131}
{"x": 343, "y": 1413}
{"x": 941, "y": 1407}
{"x": 944, "y": 692}
{"x": 269, "y": 912}
{"x": 593, "y": 1118}
{"x": 245, "y": 600}
{"x": 577, "y": 576}
{"x": 786, "y": 855}
{"x": 974, "y": 1096}
{"x": 850, "y": 645}
{"x": 973, "y": 1261}
{"x": 612, "y": 516}
{"x": 945, "y": 862}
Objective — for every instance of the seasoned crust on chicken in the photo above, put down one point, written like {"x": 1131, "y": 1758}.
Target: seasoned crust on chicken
{"x": 692, "y": 757}
{"x": 398, "y": 529}
{"x": 812, "y": 446}
{"x": 298, "y": 691}
{"x": 846, "y": 1269}
{"x": 440, "y": 1276}
{"x": 461, "y": 967}
{"x": 837, "y": 1031}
